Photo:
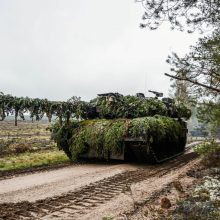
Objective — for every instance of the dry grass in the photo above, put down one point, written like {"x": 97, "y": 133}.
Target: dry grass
{"x": 26, "y": 137}
{"x": 26, "y": 146}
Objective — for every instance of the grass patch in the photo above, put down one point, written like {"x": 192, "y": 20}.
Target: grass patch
{"x": 30, "y": 160}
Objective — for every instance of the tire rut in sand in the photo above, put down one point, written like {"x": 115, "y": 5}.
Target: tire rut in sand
{"x": 80, "y": 202}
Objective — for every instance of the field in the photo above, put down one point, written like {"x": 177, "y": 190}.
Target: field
{"x": 26, "y": 146}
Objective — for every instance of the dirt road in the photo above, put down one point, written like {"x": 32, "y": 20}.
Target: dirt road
{"x": 56, "y": 182}
{"x": 87, "y": 191}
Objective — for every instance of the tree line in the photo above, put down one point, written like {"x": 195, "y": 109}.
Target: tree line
{"x": 36, "y": 108}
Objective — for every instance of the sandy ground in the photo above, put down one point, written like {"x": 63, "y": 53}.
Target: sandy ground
{"x": 89, "y": 191}
{"x": 48, "y": 184}
{"x": 125, "y": 205}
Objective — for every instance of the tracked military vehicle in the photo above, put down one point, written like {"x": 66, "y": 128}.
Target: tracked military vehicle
{"x": 130, "y": 128}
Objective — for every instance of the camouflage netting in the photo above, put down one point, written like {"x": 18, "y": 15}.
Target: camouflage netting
{"x": 107, "y": 135}
{"x": 119, "y": 106}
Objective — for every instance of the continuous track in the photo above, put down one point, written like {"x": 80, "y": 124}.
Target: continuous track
{"x": 74, "y": 204}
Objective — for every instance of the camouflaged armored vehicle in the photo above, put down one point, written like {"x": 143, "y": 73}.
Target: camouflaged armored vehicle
{"x": 130, "y": 128}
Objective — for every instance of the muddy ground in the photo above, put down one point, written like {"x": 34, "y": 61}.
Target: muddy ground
{"x": 92, "y": 191}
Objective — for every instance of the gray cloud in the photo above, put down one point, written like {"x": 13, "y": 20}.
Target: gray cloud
{"x": 57, "y": 49}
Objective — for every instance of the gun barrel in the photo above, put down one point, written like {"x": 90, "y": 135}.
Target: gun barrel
{"x": 158, "y": 94}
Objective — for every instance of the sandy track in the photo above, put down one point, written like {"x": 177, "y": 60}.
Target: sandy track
{"x": 87, "y": 191}
{"x": 41, "y": 185}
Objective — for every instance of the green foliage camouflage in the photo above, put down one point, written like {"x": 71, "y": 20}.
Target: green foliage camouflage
{"x": 130, "y": 107}
{"x": 134, "y": 107}
{"x": 106, "y": 136}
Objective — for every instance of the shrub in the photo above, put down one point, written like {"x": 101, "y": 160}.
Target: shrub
{"x": 210, "y": 152}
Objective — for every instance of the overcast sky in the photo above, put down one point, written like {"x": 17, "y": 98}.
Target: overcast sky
{"x": 56, "y": 49}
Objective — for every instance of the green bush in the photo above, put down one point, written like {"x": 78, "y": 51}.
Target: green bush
{"x": 194, "y": 210}
{"x": 208, "y": 147}
{"x": 210, "y": 152}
